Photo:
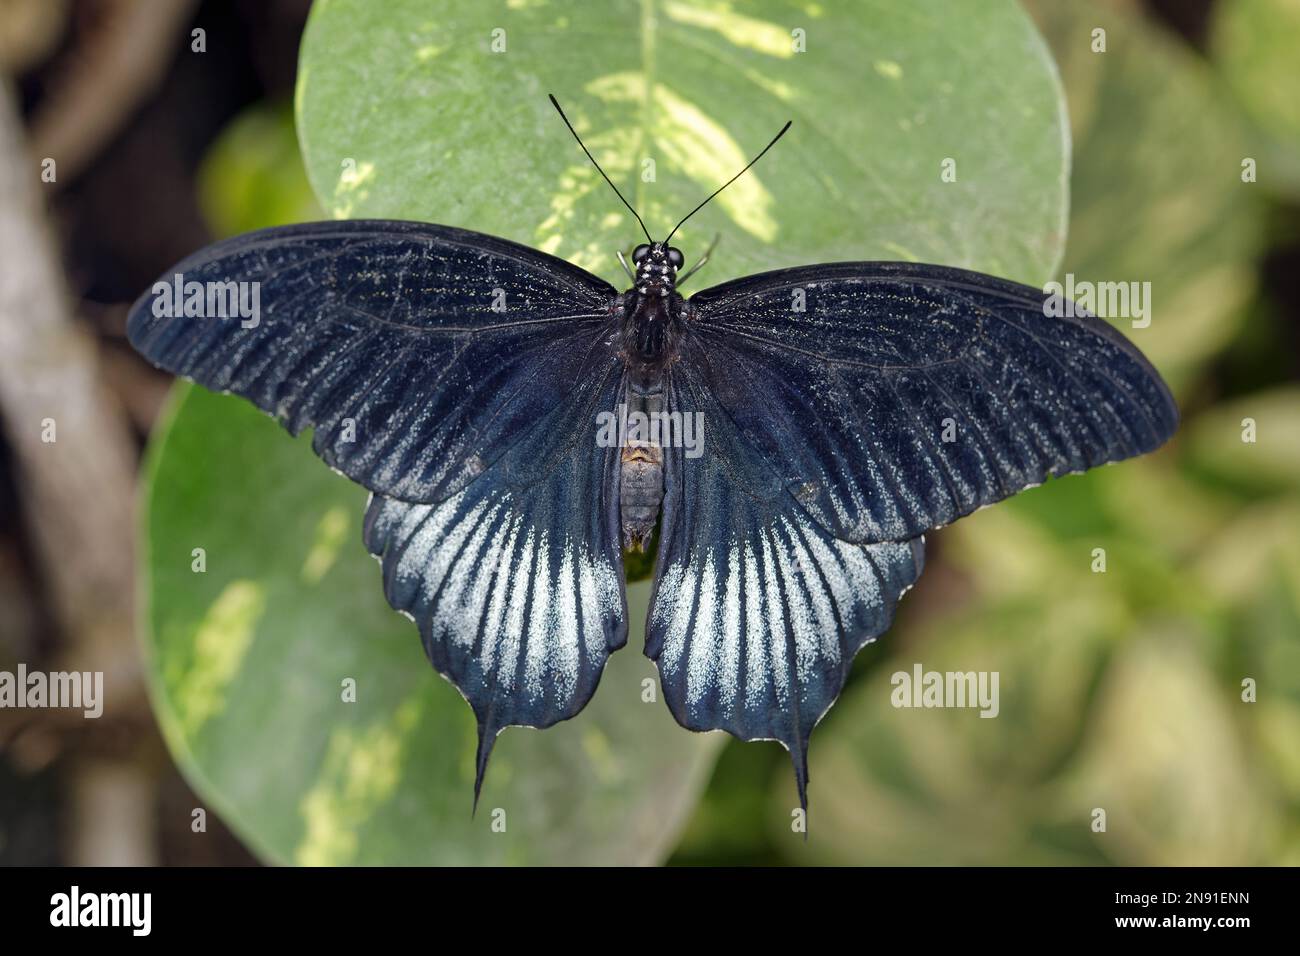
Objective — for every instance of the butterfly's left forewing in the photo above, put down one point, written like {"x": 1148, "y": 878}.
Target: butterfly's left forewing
{"x": 417, "y": 353}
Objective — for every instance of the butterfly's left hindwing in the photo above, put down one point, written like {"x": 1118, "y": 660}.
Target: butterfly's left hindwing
{"x": 757, "y": 611}
{"x": 516, "y": 582}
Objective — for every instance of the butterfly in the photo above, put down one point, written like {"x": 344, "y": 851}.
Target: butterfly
{"x": 841, "y": 412}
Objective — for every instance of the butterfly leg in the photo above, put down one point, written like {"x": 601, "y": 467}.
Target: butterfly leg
{"x": 703, "y": 259}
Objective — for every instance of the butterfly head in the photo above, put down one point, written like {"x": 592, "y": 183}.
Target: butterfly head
{"x": 656, "y": 268}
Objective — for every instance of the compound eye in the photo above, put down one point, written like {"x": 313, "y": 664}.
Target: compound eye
{"x": 675, "y": 257}
{"x": 640, "y": 252}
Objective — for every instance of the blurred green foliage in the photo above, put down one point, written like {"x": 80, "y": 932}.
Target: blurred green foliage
{"x": 253, "y": 177}
{"x": 1256, "y": 46}
{"x": 1120, "y": 690}
{"x": 1156, "y": 186}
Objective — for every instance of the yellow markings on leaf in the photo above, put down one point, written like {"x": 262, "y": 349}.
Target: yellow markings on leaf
{"x": 903, "y": 253}
{"x": 618, "y": 90}
{"x": 575, "y": 184}
{"x": 615, "y": 150}
{"x": 361, "y": 770}
{"x": 889, "y": 69}
{"x": 696, "y": 145}
{"x": 221, "y": 640}
{"x": 687, "y": 142}
{"x": 355, "y": 177}
{"x": 757, "y": 35}
{"x": 430, "y": 51}
{"x": 702, "y": 148}
{"x": 592, "y": 257}
{"x": 775, "y": 88}
{"x": 331, "y": 532}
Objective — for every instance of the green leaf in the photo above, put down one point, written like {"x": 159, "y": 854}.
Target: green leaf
{"x": 410, "y": 113}
{"x": 405, "y": 111}
{"x": 1158, "y": 195}
{"x": 247, "y": 662}
{"x": 1254, "y": 43}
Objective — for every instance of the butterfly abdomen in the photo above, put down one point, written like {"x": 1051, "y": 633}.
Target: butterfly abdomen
{"x": 641, "y": 491}
{"x": 641, "y": 468}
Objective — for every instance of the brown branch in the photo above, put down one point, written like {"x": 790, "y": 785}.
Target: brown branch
{"x": 111, "y": 72}
{"x": 77, "y": 491}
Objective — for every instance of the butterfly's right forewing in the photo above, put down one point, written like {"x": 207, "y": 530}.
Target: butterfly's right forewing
{"x": 897, "y": 397}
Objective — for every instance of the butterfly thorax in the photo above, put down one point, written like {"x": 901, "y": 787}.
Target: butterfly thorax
{"x": 651, "y": 330}
{"x": 652, "y": 313}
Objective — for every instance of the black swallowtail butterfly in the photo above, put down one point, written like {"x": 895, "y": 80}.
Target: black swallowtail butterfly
{"x": 500, "y": 506}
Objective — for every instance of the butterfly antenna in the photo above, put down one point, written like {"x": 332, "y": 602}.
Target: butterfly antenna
{"x": 728, "y": 182}
{"x": 556, "y": 104}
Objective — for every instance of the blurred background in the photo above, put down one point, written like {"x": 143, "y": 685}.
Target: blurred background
{"x": 1130, "y": 685}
